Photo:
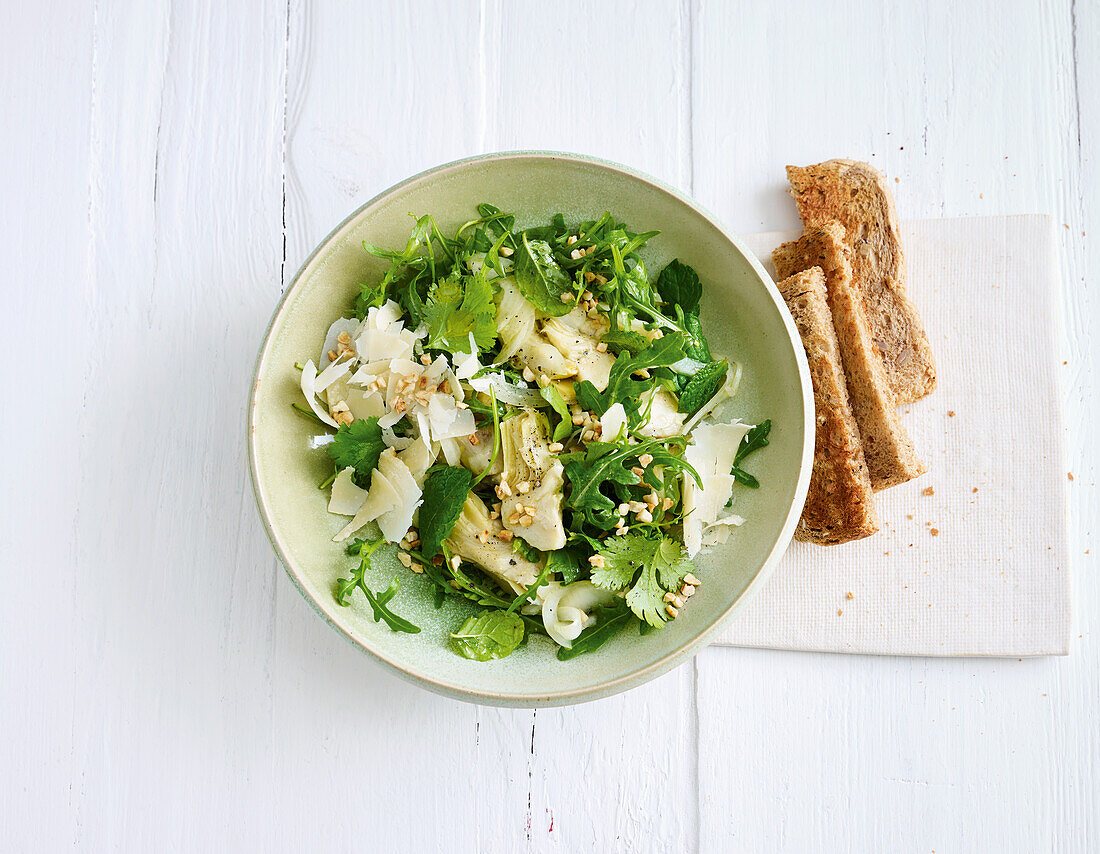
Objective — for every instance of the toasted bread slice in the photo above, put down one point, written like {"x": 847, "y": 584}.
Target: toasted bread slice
{"x": 856, "y": 195}
{"x": 840, "y": 505}
{"x": 887, "y": 448}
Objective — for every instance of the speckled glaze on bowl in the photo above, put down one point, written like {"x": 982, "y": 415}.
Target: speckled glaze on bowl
{"x": 743, "y": 318}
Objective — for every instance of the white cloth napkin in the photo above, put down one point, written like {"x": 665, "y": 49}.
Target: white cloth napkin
{"x": 979, "y": 564}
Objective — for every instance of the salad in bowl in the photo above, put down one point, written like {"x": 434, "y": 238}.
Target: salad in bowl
{"x": 535, "y": 423}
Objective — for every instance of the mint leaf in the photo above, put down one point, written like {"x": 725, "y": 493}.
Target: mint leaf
{"x": 703, "y": 386}
{"x": 609, "y": 621}
{"x": 540, "y": 279}
{"x": 488, "y": 635}
{"x": 445, "y": 491}
{"x": 358, "y": 445}
{"x": 679, "y": 285}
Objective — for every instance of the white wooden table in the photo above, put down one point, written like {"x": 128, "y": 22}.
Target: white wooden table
{"x": 165, "y": 167}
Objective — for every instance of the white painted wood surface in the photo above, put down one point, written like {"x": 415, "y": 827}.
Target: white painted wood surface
{"x": 164, "y": 168}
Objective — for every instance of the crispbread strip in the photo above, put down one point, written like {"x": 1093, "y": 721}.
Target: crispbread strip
{"x": 856, "y": 195}
{"x": 887, "y": 448}
{"x": 840, "y": 504}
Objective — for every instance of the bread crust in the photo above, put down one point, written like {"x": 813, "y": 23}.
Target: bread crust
{"x": 840, "y": 503}
{"x": 887, "y": 448}
{"x": 856, "y": 195}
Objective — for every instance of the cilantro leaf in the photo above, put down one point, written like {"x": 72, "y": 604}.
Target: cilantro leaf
{"x": 539, "y": 277}
{"x": 754, "y": 440}
{"x": 609, "y": 621}
{"x": 679, "y": 285}
{"x": 488, "y": 635}
{"x": 650, "y": 567}
{"x": 358, "y": 445}
{"x": 703, "y": 386}
{"x": 445, "y": 491}
{"x": 379, "y": 602}
{"x": 454, "y": 310}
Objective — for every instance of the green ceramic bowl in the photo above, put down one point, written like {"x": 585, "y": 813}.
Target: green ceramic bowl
{"x": 744, "y": 318}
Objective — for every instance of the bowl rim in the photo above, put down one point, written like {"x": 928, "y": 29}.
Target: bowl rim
{"x": 636, "y": 677}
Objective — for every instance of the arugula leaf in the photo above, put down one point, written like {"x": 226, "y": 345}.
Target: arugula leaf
{"x": 454, "y": 310}
{"x": 488, "y": 635}
{"x": 565, "y": 426}
{"x": 623, "y": 339}
{"x": 703, "y": 386}
{"x": 754, "y": 440}
{"x": 445, "y": 491}
{"x": 610, "y": 463}
{"x": 610, "y": 620}
{"x": 650, "y": 567}
{"x": 539, "y": 277}
{"x": 379, "y": 602}
{"x": 370, "y": 296}
{"x": 565, "y": 561}
{"x": 621, "y": 386}
{"x": 358, "y": 444}
{"x": 679, "y": 285}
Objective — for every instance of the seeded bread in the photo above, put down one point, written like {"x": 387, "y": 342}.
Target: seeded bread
{"x": 840, "y": 504}
{"x": 856, "y": 195}
{"x": 887, "y": 448}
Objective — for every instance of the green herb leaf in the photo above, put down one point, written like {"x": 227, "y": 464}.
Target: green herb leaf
{"x": 454, "y": 310}
{"x": 565, "y": 426}
{"x": 358, "y": 445}
{"x": 649, "y": 566}
{"x": 609, "y": 621}
{"x": 379, "y": 602}
{"x": 754, "y": 440}
{"x": 610, "y": 463}
{"x": 696, "y": 346}
{"x": 565, "y": 561}
{"x": 370, "y": 296}
{"x": 488, "y": 635}
{"x": 679, "y": 285}
{"x": 623, "y": 339}
{"x": 445, "y": 491}
{"x": 703, "y": 386}
{"x": 539, "y": 278}
{"x": 621, "y": 386}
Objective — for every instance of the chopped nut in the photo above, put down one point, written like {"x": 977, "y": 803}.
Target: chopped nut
{"x": 667, "y": 503}
{"x": 638, "y": 470}
{"x": 456, "y": 562}
{"x": 645, "y": 460}
{"x": 644, "y": 516}
{"x": 505, "y": 536}
{"x": 399, "y": 405}
{"x": 589, "y": 276}
{"x": 624, "y": 508}
{"x": 523, "y": 487}
{"x": 566, "y": 298}
{"x": 404, "y": 559}
{"x": 503, "y": 489}
{"x": 672, "y": 612}
{"x": 483, "y": 537}
{"x": 572, "y": 239}
{"x": 526, "y": 521}
{"x": 577, "y": 254}
{"x": 460, "y": 405}
{"x": 601, "y": 347}
{"x": 425, "y": 360}
{"x": 528, "y": 375}
{"x": 687, "y": 591}
{"x": 692, "y": 580}
{"x": 474, "y": 439}
{"x": 506, "y": 251}
{"x": 556, "y": 447}
{"x": 578, "y": 420}
{"x": 651, "y": 500}
{"x": 417, "y": 568}
{"x": 597, "y": 561}
{"x": 437, "y": 560}
{"x": 587, "y": 295}
{"x": 600, "y": 279}
{"x": 331, "y": 355}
